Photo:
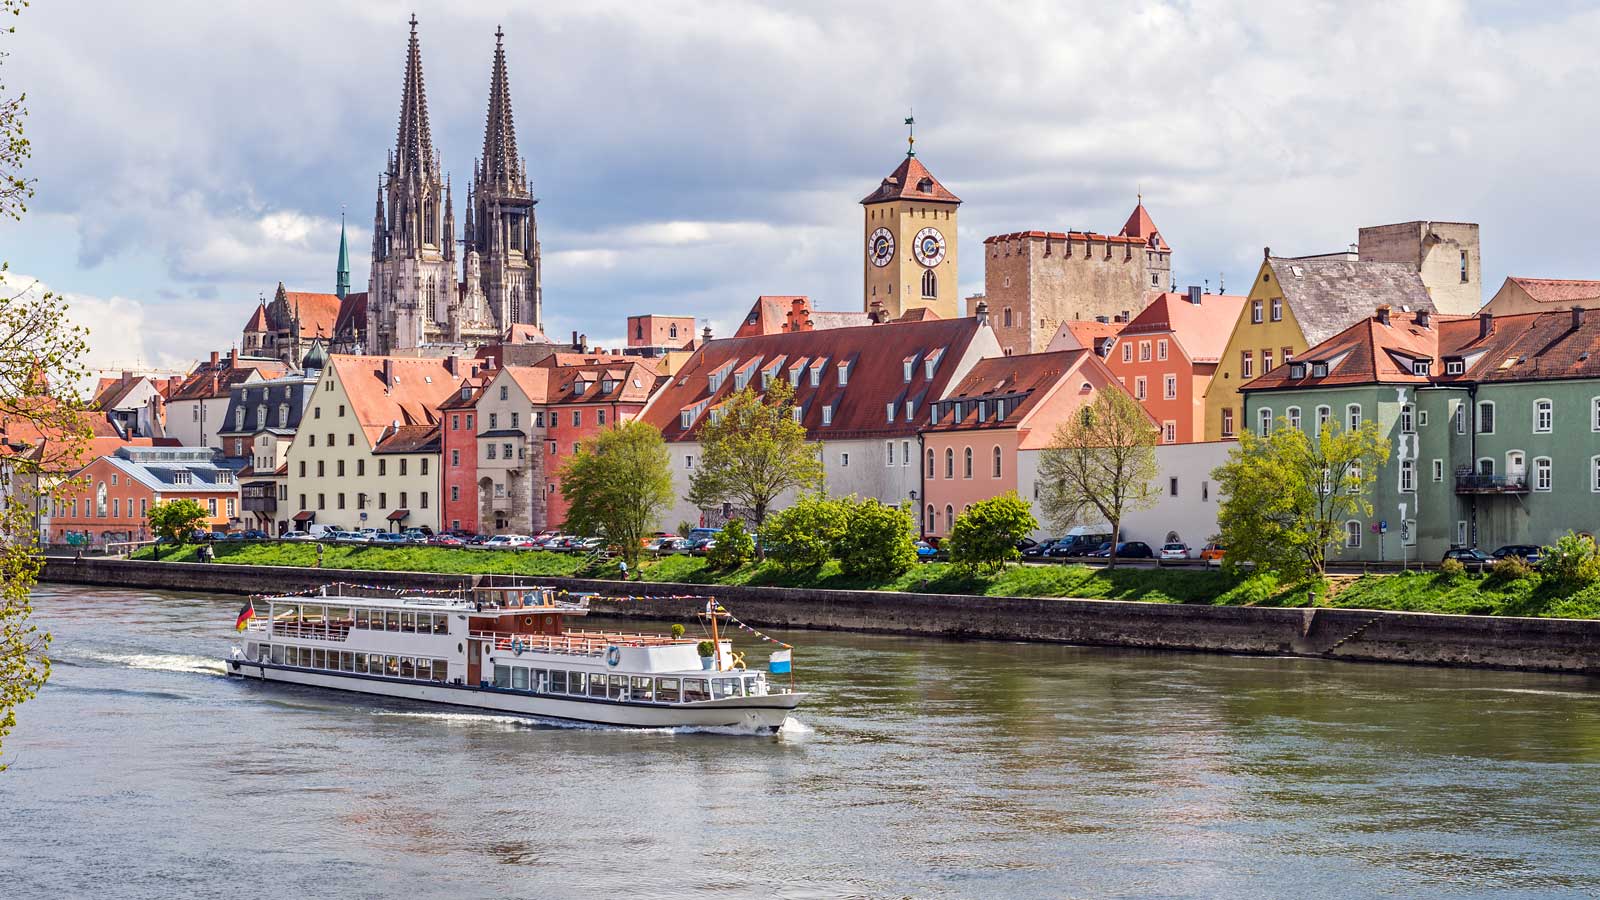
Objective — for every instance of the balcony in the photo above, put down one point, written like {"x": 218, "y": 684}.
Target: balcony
{"x": 1477, "y": 483}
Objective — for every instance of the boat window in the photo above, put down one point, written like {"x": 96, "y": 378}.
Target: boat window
{"x": 642, "y": 688}
{"x": 440, "y": 669}
{"x": 391, "y": 620}
{"x": 361, "y": 663}
{"x": 752, "y": 686}
{"x": 558, "y": 681}
{"x": 441, "y": 623}
{"x": 305, "y": 657}
{"x": 724, "y": 687}
{"x": 694, "y": 689}
{"x": 277, "y": 654}
{"x": 667, "y": 690}
{"x": 539, "y": 680}
{"x": 619, "y": 683}
{"x": 423, "y": 668}
{"x": 339, "y": 617}
{"x": 502, "y": 676}
{"x": 317, "y": 660}
{"x": 597, "y": 684}
{"x": 519, "y": 679}
{"x": 407, "y": 670}
{"x": 408, "y": 622}
{"x": 391, "y": 666}
{"x": 574, "y": 682}
{"x": 361, "y": 618}
{"x": 347, "y": 661}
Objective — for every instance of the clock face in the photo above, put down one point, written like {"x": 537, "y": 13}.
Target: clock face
{"x": 929, "y": 247}
{"x": 880, "y": 247}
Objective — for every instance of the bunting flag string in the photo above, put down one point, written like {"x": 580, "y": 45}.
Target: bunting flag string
{"x": 713, "y": 607}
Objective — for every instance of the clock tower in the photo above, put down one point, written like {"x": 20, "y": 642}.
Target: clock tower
{"x": 909, "y": 231}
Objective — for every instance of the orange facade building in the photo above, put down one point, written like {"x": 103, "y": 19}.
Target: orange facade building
{"x": 112, "y": 495}
{"x": 1167, "y": 355}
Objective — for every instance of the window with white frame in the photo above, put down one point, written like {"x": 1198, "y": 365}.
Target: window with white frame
{"x": 1161, "y": 349}
{"x": 1352, "y": 535}
{"x": 1139, "y": 387}
{"x": 889, "y": 408}
{"x": 1353, "y": 479}
{"x": 997, "y": 456}
{"x": 1247, "y": 365}
{"x": 1169, "y": 432}
{"x": 1255, "y": 312}
{"x": 1144, "y": 351}
{"x": 1127, "y": 352}
{"x": 1293, "y": 415}
{"x": 827, "y": 414}
{"x": 1264, "y": 422}
{"x": 1461, "y": 417}
{"x": 1422, "y": 418}
{"x": 905, "y": 453}
{"x": 1277, "y": 309}
{"x": 1461, "y": 532}
{"x": 1455, "y": 366}
{"x": 1486, "y": 417}
{"x": 1544, "y": 413}
{"x": 1352, "y": 417}
{"x": 1408, "y": 422}
{"x": 1408, "y": 476}
{"x": 1323, "y": 415}
{"x": 1594, "y": 474}
{"x": 888, "y": 453}
{"x": 1438, "y": 470}
{"x": 844, "y": 459}
{"x": 1543, "y": 475}
{"x": 1594, "y": 414}
{"x": 1169, "y": 387}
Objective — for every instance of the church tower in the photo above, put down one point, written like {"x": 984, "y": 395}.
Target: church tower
{"x": 909, "y": 226}
{"x": 501, "y": 229}
{"x": 412, "y": 287}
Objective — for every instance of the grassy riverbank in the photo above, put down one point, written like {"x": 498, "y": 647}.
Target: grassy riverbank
{"x": 1411, "y": 592}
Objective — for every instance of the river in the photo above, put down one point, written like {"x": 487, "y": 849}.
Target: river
{"x": 919, "y": 768}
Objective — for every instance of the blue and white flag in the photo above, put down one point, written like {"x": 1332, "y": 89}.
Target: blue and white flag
{"x": 778, "y": 662}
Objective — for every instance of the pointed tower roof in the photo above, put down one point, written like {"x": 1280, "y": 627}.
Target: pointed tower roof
{"x": 500, "y": 161}
{"x": 911, "y": 181}
{"x": 413, "y": 150}
{"x": 341, "y": 284}
{"x": 1141, "y": 226}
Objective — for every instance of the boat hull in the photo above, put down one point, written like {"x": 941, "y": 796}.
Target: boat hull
{"x": 756, "y": 714}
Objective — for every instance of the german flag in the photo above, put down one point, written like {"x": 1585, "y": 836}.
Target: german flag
{"x": 247, "y": 613}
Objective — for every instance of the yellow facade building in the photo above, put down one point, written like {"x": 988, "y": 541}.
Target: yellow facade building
{"x": 909, "y": 231}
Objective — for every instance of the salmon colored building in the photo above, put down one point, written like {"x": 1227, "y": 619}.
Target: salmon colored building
{"x": 1167, "y": 355}
{"x": 113, "y": 500}
{"x": 459, "y": 452}
{"x": 1005, "y": 405}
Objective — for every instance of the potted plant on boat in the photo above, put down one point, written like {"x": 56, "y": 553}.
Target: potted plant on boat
{"x": 677, "y": 630}
{"x": 707, "y": 651}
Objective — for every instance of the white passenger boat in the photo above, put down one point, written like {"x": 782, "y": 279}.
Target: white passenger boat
{"x": 507, "y": 650}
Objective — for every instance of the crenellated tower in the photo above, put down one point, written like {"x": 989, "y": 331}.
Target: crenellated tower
{"x": 501, "y": 230}
{"x": 412, "y": 286}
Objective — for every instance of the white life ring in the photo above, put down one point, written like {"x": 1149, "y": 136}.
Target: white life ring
{"x": 613, "y": 655}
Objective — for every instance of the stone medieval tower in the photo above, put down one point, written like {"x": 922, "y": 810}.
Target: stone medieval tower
{"x": 909, "y": 226}
{"x": 501, "y": 228}
{"x": 412, "y": 286}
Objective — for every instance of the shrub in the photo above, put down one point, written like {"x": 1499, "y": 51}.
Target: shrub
{"x": 1573, "y": 561}
{"x": 804, "y": 535}
{"x": 877, "y": 541}
{"x": 706, "y": 649}
{"x": 984, "y": 537}
{"x": 1451, "y": 571}
{"x": 1509, "y": 569}
{"x": 1258, "y": 589}
{"x": 734, "y": 547}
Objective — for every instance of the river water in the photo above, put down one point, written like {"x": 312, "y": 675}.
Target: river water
{"x": 919, "y": 768}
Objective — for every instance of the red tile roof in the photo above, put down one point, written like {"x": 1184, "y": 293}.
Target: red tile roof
{"x": 208, "y": 382}
{"x": 318, "y": 313}
{"x": 876, "y": 353}
{"x": 1558, "y": 290}
{"x": 1084, "y": 334}
{"x": 258, "y": 319}
{"x": 1200, "y": 330}
{"x": 525, "y": 334}
{"x": 911, "y": 181}
{"x": 420, "y": 385}
{"x": 1141, "y": 226}
{"x": 410, "y": 439}
{"x": 1022, "y": 380}
{"x": 352, "y": 313}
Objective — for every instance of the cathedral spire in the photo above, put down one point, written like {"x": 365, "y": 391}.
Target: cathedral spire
{"x": 500, "y": 160}
{"x": 341, "y": 284}
{"x": 413, "y": 152}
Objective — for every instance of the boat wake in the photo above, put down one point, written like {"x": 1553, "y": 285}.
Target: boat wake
{"x": 791, "y": 728}
{"x": 156, "y": 662}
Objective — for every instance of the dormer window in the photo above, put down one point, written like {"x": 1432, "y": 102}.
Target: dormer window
{"x": 466, "y": 392}
{"x": 925, "y": 186}
{"x": 182, "y": 476}
{"x": 1297, "y": 370}
{"x": 1319, "y": 370}
{"x": 607, "y": 386}
{"x": 1420, "y": 366}
{"x": 686, "y": 418}
{"x": 827, "y": 414}
{"x": 932, "y": 362}
{"x": 960, "y": 412}
{"x": 844, "y": 373}
{"x": 911, "y": 365}
{"x": 890, "y": 418}
{"x": 983, "y": 410}
{"x": 1455, "y": 366}
{"x": 740, "y": 379}
{"x": 816, "y": 376}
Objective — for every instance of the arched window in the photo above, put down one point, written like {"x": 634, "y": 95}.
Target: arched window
{"x": 931, "y": 526}
{"x": 1264, "y": 419}
{"x": 966, "y": 463}
{"x": 949, "y": 462}
{"x": 997, "y": 461}
{"x": 930, "y": 283}
{"x": 949, "y": 516}
{"x": 930, "y": 469}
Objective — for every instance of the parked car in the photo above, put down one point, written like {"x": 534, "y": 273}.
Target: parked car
{"x": 702, "y": 546}
{"x": 1081, "y": 544}
{"x": 662, "y": 544}
{"x": 294, "y": 535}
{"x": 1471, "y": 557}
{"x": 1528, "y": 553}
{"x": 1212, "y": 554}
{"x": 388, "y": 537}
{"x": 1174, "y": 551}
{"x": 1041, "y": 549}
{"x": 507, "y": 541}
{"x": 927, "y": 552}
{"x": 253, "y": 534}
{"x": 417, "y": 535}
{"x": 353, "y": 537}
{"x": 1126, "y": 550}
{"x": 447, "y": 540}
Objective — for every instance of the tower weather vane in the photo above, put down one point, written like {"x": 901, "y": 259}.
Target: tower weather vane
{"x": 911, "y": 133}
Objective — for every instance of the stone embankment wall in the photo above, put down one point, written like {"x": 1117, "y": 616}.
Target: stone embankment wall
{"x": 1556, "y": 645}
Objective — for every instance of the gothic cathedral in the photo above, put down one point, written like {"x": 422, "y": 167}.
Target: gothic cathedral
{"x": 909, "y": 225}
{"x": 415, "y": 305}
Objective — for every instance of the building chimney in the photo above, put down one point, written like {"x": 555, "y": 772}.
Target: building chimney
{"x": 982, "y": 312}
{"x": 1103, "y": 320}
{"x": 1383, "y": 314}
{"x": 705, "y": 335}
{"x": 388, "y": 374}
{"x": 215, "y": 357}
{"x": 1577, "y": 317}
{"x": 583, "y": 343}
{"x": 1423, "y": 318}
{"x": 172, "y": 383}
{"x": 1485, "y": 325}
{"x": 1266, "y": 252}
{"x": 128, "y": 376}
{"x": 1194, "y": 294}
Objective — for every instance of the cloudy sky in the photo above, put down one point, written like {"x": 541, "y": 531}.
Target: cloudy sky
{"x": 190, "y": 154}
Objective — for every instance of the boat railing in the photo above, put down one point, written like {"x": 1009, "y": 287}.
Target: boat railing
{"x": 335, "y": 631}
{"x": 575, "y": 643}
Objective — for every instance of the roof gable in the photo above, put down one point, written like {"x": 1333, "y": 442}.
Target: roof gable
{"x": 911, "y": 180}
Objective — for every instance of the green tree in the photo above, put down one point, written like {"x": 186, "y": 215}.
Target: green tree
{"x": 1099, "y": 465}
{"x": 176, "y": 520}
{"x": 619, "y": 485}
{"x": 1287, "y": 496}
{"x": 734, "y": 547}
{"x": 804, "y": 535}
{"x": 877, "y": 541}
{"x": 751, "y": 451}
{"x": 985, "y": 536}
{"x": 41, "y": 420}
